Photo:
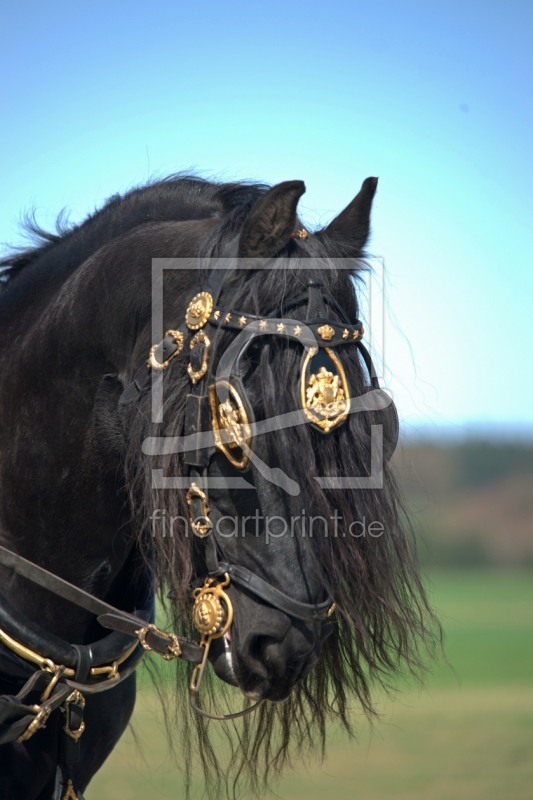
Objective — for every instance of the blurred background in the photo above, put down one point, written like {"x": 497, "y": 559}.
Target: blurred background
{"x": 435, "y": 99}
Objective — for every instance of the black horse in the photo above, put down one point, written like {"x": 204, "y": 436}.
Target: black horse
{"x": 79, "y": 496}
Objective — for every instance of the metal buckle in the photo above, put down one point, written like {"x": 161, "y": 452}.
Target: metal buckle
{"x": 174, "y": 649}
{"x": 39, "y": 721}
{"x": 78, "y": 699}
{"x": 196, "y": 339}
{"x": 200, "y": 528}
{"x": 178, "y": 339}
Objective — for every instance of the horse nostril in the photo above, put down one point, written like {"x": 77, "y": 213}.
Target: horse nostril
{"x": 262, "y": 653}
{"x": 270, "y": 668}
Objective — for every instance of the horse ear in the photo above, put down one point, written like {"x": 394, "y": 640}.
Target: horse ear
{"x": 352, "y": 225}
{"x": 272, "y": 221}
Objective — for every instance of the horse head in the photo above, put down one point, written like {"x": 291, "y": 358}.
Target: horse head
{"x": 238, "y": 462}
{"x": 274, "y": 372}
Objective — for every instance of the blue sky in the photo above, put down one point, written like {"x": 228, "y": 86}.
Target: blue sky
{"x": 434, "y": 98}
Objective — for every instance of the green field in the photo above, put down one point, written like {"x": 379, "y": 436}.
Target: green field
{"x": 467, "y": 734}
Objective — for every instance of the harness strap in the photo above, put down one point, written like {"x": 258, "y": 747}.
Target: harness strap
{"x": 307, "y": 612}
{"x": 83, "y": 666}
{"x": 19, "y": 719}
{"x": 147, "y": 635}
{"x": 242, "y": 576}
{"x": 168, "y": 347}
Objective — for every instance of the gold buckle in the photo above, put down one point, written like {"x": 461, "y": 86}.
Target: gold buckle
{"x": 39, "y": 721}
{"x": 174, "y": 649}
{"x": 178, "y": 339}
{"x": 200, "y": 528}
{"x": 204, "y": 338}
{"x": 78, "y": 699}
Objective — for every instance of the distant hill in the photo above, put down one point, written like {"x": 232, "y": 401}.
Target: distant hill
{"x": 471, "y": 502}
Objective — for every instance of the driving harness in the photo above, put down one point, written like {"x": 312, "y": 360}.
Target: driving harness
{"x": 218, "y": 416}
{"x": 219, "y": 404}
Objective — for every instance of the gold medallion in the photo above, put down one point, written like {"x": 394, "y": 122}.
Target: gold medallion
{"x": 212, "y": 612}
{"x": 208, "y": 614}
{"x": 199, "y": 310}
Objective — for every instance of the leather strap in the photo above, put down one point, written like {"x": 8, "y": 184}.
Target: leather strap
{"x": 307, "y": 612}
{"x": 17, "y": 712}
{"x": 115, "y": 618}
{"x": 189, "y": 650}
{"x": 168, "y": 346}
{"x": 84, "y": 662}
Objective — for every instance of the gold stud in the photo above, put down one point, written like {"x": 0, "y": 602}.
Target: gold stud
{"x": 355, "y": 334}
{"x": 301, "y": 233}
{"x": 345, "y": 333}
{"x": 298, "y": 330}
{"x": 227, "y": 318}
{"x": 263, "y": 324}
{"x": 280, "y": 327}
{"x": 216, "y": 315}
{"x": 242, "y": 321}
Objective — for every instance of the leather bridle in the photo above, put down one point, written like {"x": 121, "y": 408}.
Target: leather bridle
{"x": 216, "y": 405}
{"x": 219, "y": 405}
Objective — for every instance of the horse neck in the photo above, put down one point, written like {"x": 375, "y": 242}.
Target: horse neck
{"x": 62, "y": 486}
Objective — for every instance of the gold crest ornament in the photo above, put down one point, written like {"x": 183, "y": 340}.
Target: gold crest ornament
{"x": 324, "y": 391}
{"x": 326, "y": 332}
{"x": 231, "y": 426}
{"x": 199, "y": 310}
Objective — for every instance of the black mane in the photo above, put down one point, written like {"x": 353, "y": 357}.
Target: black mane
{"x": 175, "y": 198}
